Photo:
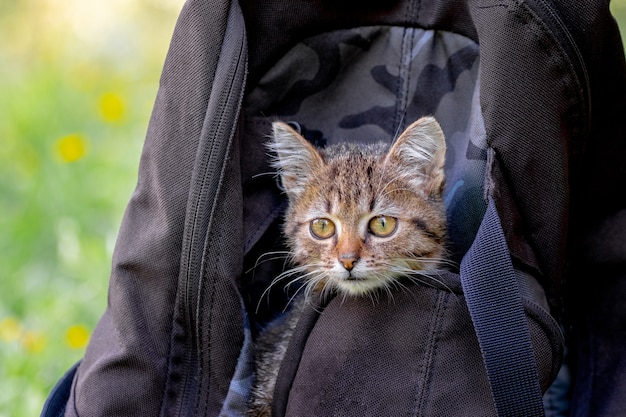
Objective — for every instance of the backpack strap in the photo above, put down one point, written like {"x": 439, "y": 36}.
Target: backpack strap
{"x": 494, "y": 301}
{"x": 57, "y": 399}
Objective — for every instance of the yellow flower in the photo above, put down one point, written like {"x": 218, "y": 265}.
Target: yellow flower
{"x": 112, "y": 107}
{"x": 72, "y": 147}
{"x": 10, "y": 329}
{"x": 77, "y": 336}
{"x": 33, "y": 342}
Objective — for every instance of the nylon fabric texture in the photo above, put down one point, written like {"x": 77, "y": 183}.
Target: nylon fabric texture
{"x": 495, "y": 304}
{"x": 541, "y": 82}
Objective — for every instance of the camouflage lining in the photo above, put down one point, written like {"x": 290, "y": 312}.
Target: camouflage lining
{"x": 374, "y": 81}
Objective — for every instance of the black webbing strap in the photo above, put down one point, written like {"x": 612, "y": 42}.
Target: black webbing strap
{"x": 495, "y": 305}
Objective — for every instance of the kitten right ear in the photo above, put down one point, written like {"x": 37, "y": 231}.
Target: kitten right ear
{"x": 295, "y": 159}
{"x": 421, "y": 149}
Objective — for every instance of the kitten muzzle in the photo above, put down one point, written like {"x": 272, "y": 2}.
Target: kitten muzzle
{"x": 348, "y": 261}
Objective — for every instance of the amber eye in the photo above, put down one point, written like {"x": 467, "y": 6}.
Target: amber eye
{"x": 383, "y": 226}
{"x": 322, "y": 228}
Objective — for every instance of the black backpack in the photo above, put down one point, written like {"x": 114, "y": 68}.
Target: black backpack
{"x": 531, "y": 96}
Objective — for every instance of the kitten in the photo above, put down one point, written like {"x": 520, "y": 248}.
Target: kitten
{"x": 360, "y": 217}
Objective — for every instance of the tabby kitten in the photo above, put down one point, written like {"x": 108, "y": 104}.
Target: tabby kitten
{"x": 359, "y": 218}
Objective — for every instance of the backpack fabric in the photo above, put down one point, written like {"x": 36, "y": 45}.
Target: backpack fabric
{"x": 529, "y": 95}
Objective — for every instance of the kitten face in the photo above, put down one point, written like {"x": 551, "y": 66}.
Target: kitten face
{"x": 359, "y": 217}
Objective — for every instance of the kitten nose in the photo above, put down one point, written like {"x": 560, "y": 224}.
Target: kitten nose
{"x": 348, "y": 260}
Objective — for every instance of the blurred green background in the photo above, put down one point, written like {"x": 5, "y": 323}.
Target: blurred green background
{"x": 78, "y": 79}
{"x": 77, "y": 84}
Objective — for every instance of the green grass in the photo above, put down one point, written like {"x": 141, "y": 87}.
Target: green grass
{"x": 75, "y": 99}
{"x": 76, "y": 92}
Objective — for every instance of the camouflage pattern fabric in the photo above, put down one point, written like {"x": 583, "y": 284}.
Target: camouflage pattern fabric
{"x": 364, "y": 84}
{"x": 367, "y": 84}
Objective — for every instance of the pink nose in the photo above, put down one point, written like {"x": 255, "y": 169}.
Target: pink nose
{"x": 348, "y": 261}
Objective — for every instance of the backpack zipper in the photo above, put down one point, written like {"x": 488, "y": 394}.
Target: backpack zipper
{"x": 548, "y": 14}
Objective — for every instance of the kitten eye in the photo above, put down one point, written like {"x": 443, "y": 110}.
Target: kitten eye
{"x": 322, "y": 228}
{"x": 383, "y": 226}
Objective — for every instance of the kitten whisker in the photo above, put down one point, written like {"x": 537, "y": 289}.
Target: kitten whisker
{"x": 276, "y": 255}
{"x": 287, "y": 274}
{"x": 344, "y": 297}
{"x": 420, "y": 278}
{"x": 380, "y": 192}
{"x": 384, "y": 165}
{"x": 397, "y": 284}
{"x": 437, "y": 261}
{"x": 412, "y": 191}
{"x": 415, "y": 275}
{"x": 326, "y": 290}
{"x": 293, "y": 297}
{"x": 387, "y": 287}
{"x": 262, "y": 174}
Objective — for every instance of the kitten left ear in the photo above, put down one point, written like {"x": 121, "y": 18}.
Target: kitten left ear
{"x": 421, "y": 148}
{"x": 296, "y": 158}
